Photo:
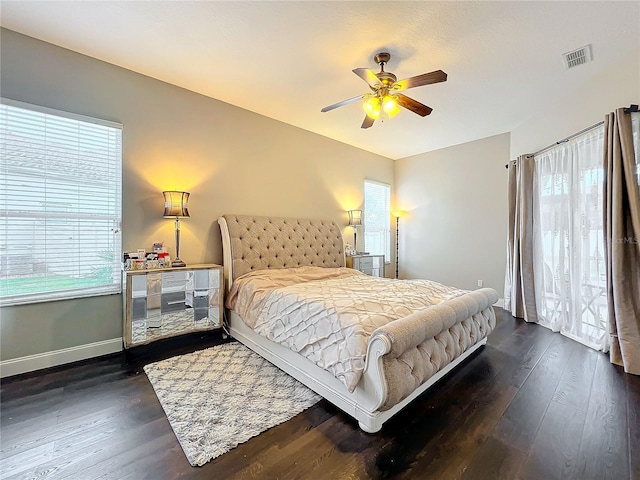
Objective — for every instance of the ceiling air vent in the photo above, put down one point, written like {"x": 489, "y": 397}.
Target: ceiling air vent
{"x": 578, "y": 57}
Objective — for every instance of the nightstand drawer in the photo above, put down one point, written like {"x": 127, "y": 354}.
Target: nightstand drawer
{"x": 174, "y": 281}
{"x": 173, "y": 302}
{"x": 364, "y": 262}
{"x": 375, "y": 261}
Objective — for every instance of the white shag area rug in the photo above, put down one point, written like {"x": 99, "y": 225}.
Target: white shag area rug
{"x": 220, "y": 397}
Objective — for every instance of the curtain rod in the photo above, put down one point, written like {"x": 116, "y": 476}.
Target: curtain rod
{"x": 631, "y": 109}
{"x": 565, "y": 140}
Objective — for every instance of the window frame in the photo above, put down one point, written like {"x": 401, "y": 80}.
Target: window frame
{"x": 110, "y": 219}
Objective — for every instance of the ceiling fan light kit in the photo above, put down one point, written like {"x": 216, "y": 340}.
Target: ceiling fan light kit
{"x": 374, "y": 102}
{"x": 385, "y": 101}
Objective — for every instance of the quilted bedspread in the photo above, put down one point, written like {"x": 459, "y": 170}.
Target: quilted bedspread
{"x": 328, "y": 314}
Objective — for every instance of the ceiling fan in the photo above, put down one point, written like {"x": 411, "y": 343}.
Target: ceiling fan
{"x": 385, "y": 99}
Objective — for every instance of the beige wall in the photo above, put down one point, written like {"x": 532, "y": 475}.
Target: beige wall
{"x": 231, "y": 160}
{"x": 590, "y": 101}
{"x": 455, "y": 229}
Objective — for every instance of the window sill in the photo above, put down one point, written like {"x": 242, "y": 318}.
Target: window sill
{"x": 32, "y": 301}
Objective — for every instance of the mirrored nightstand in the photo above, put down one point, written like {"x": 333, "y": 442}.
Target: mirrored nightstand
{"x": 164, "y": 303}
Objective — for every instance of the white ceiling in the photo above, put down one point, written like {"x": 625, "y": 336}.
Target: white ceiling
{"x": 287, "y": 60}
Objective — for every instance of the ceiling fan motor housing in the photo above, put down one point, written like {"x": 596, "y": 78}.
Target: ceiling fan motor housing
{"x": 387, "y": 78}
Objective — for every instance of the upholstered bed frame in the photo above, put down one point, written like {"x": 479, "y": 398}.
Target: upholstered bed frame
{"x": 404, "y": 358}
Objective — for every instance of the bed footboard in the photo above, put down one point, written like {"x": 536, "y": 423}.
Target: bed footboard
{"x": 406, "y": 353}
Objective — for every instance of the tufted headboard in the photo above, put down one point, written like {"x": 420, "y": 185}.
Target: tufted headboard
{"x": 255, "y": 243}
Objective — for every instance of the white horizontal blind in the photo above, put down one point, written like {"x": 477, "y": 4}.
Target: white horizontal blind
{"x": 60, "y": 205}
{"x": 377, "y": 213}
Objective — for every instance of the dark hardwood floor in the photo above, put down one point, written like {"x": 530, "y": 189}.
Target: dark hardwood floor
{"x": 530, "y": 405}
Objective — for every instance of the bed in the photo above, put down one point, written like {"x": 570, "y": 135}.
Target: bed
{"x": 405, "y": 351}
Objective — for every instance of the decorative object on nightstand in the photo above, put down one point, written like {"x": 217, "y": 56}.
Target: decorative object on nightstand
{"x": 176, "y": 205}
{"x": 370, "y": 264}
{"x": 349, "y": 250}
{"x": 355, "y": 221}
{"x": 398, "y": 214}
{"x": 162, "y": 303}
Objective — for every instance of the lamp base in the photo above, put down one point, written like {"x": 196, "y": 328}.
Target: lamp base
{"x": 178, "y": 263}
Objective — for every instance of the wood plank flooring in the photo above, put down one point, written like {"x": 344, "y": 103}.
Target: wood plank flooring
{"x": 532, "y": 404}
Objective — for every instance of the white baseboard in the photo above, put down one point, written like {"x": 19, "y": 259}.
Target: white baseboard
{"x": 500, "y": 303}
{"x": 16, "y": 366}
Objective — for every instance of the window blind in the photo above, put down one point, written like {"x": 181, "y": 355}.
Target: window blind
{"x": 377, "y": 213}
{"x": 60, "y": 212}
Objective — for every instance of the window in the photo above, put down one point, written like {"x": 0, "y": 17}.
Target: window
{"x": 377, "y": 213}
{"x": 60, "y": 204}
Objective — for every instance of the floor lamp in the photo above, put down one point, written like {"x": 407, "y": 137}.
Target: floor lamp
{"x": 398, "y": 214}
{"x": 176, "y": 205}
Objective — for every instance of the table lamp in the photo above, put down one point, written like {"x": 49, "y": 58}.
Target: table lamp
{"x": 176, "y": 205}
{"x": 355, "y": 221}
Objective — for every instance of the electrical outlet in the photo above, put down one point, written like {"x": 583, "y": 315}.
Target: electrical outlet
{"x": 480, "y": 282}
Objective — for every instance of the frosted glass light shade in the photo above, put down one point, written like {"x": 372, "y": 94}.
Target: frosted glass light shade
{"x": 372, "y": 107}
{"x": 390, "y": 106}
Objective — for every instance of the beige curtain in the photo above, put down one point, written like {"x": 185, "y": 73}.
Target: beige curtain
{"x": 519, "y": 289}
{"x": 622, "y": 241}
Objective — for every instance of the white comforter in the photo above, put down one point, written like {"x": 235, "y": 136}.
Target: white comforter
{"x": 328, "y": 314}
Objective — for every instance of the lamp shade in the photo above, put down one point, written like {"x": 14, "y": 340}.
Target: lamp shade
{"x": 176, "y": 203}
{"x": 355, "y": 218}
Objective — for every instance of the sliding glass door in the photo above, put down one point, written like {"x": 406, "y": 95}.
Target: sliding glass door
{"x": 569, "y": 262}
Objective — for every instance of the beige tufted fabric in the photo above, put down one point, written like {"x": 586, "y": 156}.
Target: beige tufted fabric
{"x": 276, "y": 242}
{"x": 424, "y": 342}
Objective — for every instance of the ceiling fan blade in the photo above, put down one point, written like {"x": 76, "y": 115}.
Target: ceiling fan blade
{"x": 368, "y": 76}
{"x": 419, "y": 80}
{"x": 368, "y": 121}
{"x": 344, "y": 102}
{"x": 413, "y": 105}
